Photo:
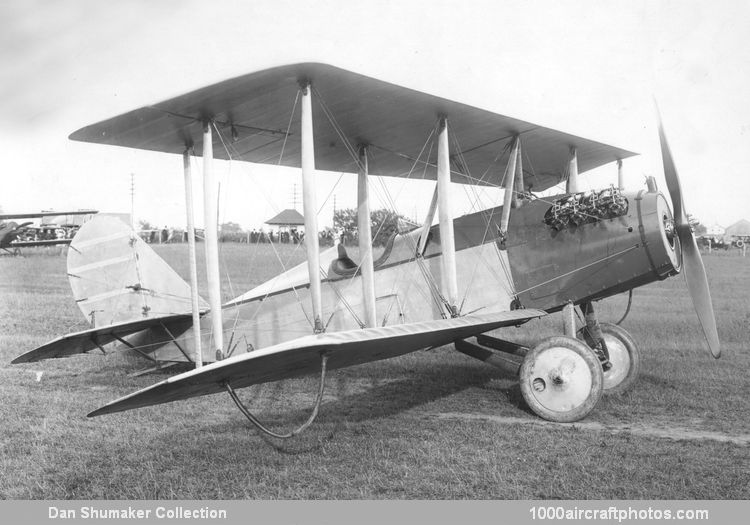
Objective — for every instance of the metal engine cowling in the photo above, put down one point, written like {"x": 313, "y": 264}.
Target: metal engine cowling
{"x": 583, "y": 247}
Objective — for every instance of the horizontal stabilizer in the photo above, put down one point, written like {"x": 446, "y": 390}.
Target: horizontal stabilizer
{"x": 302, "y": 356}
{"x": 82, "y": 342}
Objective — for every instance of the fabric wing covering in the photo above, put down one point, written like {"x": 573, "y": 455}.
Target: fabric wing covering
{"x": 254, "y": 111}
{"x": 302, "y": 356}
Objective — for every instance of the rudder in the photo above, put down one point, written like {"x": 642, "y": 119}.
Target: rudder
{"x": 116, "y": 277}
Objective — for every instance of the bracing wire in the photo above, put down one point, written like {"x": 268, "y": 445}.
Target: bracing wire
{"x": 389, "y": 199}
{"x": 231, "y": 153}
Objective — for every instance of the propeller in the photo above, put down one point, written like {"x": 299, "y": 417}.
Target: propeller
{"x": 695, "y": 272}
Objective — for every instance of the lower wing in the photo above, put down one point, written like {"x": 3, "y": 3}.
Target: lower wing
{"x": 303, "y": 356}
{"x": 28, "y": 244}
{"x": 87, "y": 340}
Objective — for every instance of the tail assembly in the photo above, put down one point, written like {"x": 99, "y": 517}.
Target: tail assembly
{"x": 117, "y": 278}
{"x": 128, "y": 293}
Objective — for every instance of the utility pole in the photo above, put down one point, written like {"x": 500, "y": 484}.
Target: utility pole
{"x": 334, "y": 211}
{"x": 132, "y": 201}
{"x": 294, "y": 196}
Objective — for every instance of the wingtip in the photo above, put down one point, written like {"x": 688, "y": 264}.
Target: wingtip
{"x": 32, "y": 356}
{"x": 23, "y": 358}
{"x": 104, "y": 410}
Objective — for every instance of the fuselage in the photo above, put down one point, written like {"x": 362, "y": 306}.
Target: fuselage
{"x": 539, "y": 264}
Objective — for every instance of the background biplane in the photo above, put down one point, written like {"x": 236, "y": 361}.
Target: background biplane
{"x": 432, "y": 286}
{"x": 14, "y": 236}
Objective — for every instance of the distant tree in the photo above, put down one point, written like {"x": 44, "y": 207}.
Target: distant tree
{"x": 695, "y": 225}
{"x": 231, "y": 231}
{"x": 230, "y": 227}
{"x": 143, "y": 224}
{"x": 383, "y": 223}
{"x": 345, "y": 220}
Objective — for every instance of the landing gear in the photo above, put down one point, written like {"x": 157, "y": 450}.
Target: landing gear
{"x": 623, "y": 356}
{"x": 615, "y": 348}
{"x": 561, "y": 379}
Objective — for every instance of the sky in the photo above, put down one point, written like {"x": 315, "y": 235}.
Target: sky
{"x": 590, "y": 68}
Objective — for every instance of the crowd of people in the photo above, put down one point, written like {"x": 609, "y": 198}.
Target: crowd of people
{"x": 254, "y": 236}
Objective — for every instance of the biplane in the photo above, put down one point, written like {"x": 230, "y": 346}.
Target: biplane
{"x": 438, "y": 284}
{"x": 13, "y": 235}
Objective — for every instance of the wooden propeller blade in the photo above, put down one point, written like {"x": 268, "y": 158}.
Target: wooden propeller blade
{"x": 695, "y": 272}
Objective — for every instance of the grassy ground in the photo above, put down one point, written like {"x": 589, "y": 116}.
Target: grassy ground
{"x": 380, "y": 433}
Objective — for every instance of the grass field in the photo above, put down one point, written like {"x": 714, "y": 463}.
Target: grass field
{"x": 432, "y": 425}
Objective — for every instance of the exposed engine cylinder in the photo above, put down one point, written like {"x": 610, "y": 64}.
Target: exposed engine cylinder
{"x": 586, "y": 207}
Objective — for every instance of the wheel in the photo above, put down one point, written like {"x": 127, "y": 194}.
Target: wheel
{"x": 623, "y": 356}
{"x": 561, "y": 379}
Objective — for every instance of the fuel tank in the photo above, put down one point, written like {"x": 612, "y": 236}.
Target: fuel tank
{"x": 590, "y": 245}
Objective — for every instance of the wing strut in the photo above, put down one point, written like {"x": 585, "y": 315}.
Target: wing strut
{"x": 210, "y": 220}
{"x": 365, "y": 241}
{"x": 447, "y": 239}
{"x": 510, "y": 174}
{"x": 191, "y": 256}
{"x": 519, "y": 194}
{"x": 572, "y": 186}
{"x": 309, "y": 205}
{"x": 266, "y": 430}
{"x": 427, "y": 224}
{"x": 620, "y": 175}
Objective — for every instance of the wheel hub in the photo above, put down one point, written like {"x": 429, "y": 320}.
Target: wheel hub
{"x": 561, "y": 379}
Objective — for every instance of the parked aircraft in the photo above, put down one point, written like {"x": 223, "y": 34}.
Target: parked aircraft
{"x": 13, "y": 235}
{"x": 433, "y": 285}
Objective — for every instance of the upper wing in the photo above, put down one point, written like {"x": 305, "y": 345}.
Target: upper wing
{"x": 46, "y": 214}
{"x": 28, "y": 244}
{"x": 253, "y": 113}
{"x": 302, "y": 356}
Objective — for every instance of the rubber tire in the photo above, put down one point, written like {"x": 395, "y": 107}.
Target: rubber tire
{"x": 540, "y": 354}
{"x": 610, "y": 330}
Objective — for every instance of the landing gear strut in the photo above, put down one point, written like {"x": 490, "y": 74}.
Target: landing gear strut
{"x": 616, "y": 349}
{"x": 563, "y": 377}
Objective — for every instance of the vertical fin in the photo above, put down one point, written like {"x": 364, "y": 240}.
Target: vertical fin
{"x": 116, "y": 277}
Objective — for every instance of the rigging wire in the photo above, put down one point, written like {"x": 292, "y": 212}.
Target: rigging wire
{"x": 389, "y": 199}
{"x": 433, "y": 288}
{"x": 288, "y": 128}
{"x": 339, "y": 131}
{"x": 487, "y": 214}
{"x": 222, "y": 260}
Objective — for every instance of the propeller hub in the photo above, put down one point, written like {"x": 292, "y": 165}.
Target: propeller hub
{"x": 660, "y": 235}
{"x": 669, "y": 229}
